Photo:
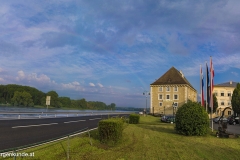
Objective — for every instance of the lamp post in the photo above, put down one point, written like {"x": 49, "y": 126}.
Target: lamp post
{"x": 173, "y": 105}
{"x": 164, "y": 110}
{"x": 146, "y": 93}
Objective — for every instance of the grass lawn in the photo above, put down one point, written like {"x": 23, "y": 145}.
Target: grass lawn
{"x": 148, "y": 140}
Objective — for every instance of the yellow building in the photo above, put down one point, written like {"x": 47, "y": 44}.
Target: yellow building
{"x": 170, "y": 91}
{"x": 223, "y": 94}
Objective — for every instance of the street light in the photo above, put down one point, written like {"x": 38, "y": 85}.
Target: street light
{"x": 174, "y": 107}
{"x": 164, "y": 110}
{"x": 146, "y": 93}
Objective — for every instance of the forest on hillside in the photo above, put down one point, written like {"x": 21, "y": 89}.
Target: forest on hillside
{"x": 17, "y": 95}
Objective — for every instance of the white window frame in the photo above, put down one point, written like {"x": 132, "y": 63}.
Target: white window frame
{"x": 222, "y": 103}
{"x": 167, "y": 96}
{"x": 222, "y": 92}
{"x": 159, "y": 96}
{"x": 168, "y": 87}
{"x": 175, "y": 87}
{"x": 229, "y": 113}
{"x": 174, "y": 96}
{"x": 229, "y": 94}
{"x": 160, "y": 89}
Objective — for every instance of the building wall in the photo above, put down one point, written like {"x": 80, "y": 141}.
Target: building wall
{"x": 224, "y": 97}
{"x": 183, "y": 93}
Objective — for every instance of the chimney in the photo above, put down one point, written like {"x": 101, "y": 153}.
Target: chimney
{"x": 230, "y": 82}
{"x": 182, "y": 73}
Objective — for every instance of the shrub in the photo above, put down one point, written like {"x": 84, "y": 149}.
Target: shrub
{"x": 134, "y": 118}
{"x": 110, "y": 129}
{"x": 192, "y": 119}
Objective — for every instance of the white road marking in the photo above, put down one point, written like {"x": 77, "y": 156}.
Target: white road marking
{"x": 74, "y": 121}
{"x": 94, "y": 119}
{"x": 35, "y": 125}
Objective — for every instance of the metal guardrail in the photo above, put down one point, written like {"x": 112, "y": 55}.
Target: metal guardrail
{"x": 25, "y": 115}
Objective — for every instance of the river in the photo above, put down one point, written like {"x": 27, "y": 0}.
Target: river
{"x": 7, "y": 112}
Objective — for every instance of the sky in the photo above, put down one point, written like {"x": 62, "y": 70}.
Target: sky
{"x": 111, "y": 50}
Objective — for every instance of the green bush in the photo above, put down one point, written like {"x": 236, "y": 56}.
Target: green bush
{"x": 192, "y": 119}
{"x": 110, "y": 129}
{"x": 134, "y": 118}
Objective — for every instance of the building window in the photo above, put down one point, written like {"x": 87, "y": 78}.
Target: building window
{"x": 222, "y": 103}
{"x": 175, "y": 96}
{"x": 160, "y": 96}
{"x": 229, "y": 113}
{"x": 229, "y": 94}
{"x": 175, "y": 88}
{"x": 168, "y": 97}
{"x": 176, "y": 104}
{"x": 216, "y": 94}
{"x": 160, "y": 89}
{"x": 168, "y": 89}
{"x": 222, "y": 94}
{"x": 229, "y": 103}
{"x": 160, "y": 104}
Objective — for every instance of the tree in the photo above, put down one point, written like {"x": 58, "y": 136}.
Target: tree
{"x": 236, "y": 99}
{"x": 27, "y": 99}
{"x": 16, "y": 100}
{"x": 192, "y": 119}
{"x": 22, "y": 98}
{"x": 113, "y": 106}
{"x": 7, "y": 93}
{"x": 65, "y": 101}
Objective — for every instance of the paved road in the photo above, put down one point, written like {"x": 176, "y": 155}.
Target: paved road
{"x": 16, "y": 133}
{"x": 230, "y": 128}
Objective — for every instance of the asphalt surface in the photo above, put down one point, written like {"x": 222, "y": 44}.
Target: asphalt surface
{"x": 21, "y": 132}
{"x": 235, "y": 129}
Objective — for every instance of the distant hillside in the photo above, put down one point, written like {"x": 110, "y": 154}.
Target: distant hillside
{"x": 18, "y": 95}
{"x": 7, "y": 93}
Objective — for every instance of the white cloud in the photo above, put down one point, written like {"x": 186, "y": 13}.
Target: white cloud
{"x": 143, "y": 38}
{"x": 235, "y": 73}
{"x": 92, "y": 84}
{"x": 100, "y": 85}
{"x": 73, "y": 86}
{"x": 41, "y": 78}
{"x": 21, "y": 75}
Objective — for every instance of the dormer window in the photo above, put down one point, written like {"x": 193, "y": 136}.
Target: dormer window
{"x": 168, "y": 89}
{"x": 175, "y": 88}
{"x": 160, "y": 89}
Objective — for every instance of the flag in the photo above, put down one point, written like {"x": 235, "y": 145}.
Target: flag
{"x": 202, "y": 84}
{"x": 207, "y": 85}
{"x": 211, "y": 82}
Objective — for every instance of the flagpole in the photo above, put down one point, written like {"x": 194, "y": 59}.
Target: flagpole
{"x": 211, "y": 97}
{"x": 201, "y": 83}
{"x": 206, "y": 87}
